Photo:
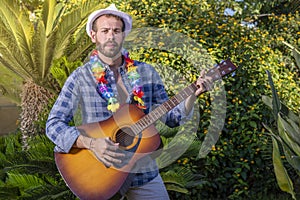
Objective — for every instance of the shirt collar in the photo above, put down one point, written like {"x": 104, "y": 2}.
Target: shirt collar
{"x": 122, "y": 68}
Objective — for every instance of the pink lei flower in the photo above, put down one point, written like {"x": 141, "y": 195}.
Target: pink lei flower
{"x": 106, "y": 91}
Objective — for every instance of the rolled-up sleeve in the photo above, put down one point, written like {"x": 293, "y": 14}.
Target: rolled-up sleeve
{"x": 58, "y": 129}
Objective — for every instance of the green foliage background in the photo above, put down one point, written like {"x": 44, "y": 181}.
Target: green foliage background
{"x": 239, "y": 165}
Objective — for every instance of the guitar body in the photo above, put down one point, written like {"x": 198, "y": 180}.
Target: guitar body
{"x": 87, "y": 177}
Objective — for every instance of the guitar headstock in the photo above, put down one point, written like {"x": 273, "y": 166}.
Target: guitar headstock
{"x": 221, "y": 70}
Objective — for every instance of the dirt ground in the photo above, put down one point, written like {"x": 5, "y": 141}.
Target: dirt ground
{"x": 9, "y": 116}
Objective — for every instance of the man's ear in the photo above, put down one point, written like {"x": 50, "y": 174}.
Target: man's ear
{"x": 93, "y": 36}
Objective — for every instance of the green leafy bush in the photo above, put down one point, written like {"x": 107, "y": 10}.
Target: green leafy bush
{"x": 284, "y": 130}
{"x": 30, "y": 174}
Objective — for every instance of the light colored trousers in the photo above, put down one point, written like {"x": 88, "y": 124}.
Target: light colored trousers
{"x": 154, "y": 190}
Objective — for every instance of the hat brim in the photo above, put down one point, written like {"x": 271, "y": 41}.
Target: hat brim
{"x": 125, "y": 17}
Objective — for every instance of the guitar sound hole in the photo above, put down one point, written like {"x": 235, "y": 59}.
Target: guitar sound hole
{"x": 125, "y": 137}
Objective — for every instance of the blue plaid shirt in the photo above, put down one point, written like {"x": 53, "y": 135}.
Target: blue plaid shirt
{"x": 79, "y": 93}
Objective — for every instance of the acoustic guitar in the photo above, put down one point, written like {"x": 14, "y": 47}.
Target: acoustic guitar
{"x": 90, "y": 179}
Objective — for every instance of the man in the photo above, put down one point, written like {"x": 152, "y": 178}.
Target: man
{"x": 100, "y": 86}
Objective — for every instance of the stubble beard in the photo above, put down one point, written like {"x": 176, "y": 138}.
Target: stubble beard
{"x": 109, "y": 52}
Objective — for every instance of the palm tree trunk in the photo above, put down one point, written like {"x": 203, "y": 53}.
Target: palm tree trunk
{"x": 34, "y": 99}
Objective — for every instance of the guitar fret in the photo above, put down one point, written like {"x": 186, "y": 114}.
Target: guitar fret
{"x": 171, "y": 104}
{"x": 147, "y": 118}
{"x": 182, "y": 96}
{"x": 158, "y": 111}
{"x": 142, "y": 126}
{"x": 162, "y": 110}
{"x": 176, "y": 101}
{"x": 135, "y": 129}
{"x": 143, "y": 123}
{"x": 151, "y": 119}
{"x": 192, "y": 88}
{"x": 178, "y": 97}
{"x": 156, "y": 114}
{"x": 167, "y": 105}
{"x": 138, "y": 130}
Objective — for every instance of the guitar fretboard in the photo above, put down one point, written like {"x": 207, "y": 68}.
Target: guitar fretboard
{"x": 158, "y": 112}
{"x": 216, "y": 73}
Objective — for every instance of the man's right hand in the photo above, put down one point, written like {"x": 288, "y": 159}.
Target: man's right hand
{"x": 105, "y": 150}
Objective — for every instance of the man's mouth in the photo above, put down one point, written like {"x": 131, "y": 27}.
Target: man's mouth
{"x": 111, "y": 45}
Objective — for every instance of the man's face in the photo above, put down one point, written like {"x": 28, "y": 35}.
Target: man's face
{"x": 108, "y": 36}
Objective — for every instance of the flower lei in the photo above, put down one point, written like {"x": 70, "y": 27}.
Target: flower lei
{"x": 106, "y": 91}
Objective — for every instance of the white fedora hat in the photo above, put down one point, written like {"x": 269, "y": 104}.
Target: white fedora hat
{"x": 109, "y": 10}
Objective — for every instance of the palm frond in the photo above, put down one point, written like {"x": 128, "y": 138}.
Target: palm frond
{"x": 10, "y": 144}
{"x": 62, "y": 68}
{"x": 59, "y": 12}
{"x": 24, "y": 180}
{"x": 38, "y": 159}
{"x": 83, "y": 44}
{"x": 9, "y": 60}
{"x": 14, "y": 49}
{"x": 88, "y": 6}
{"x": 35, "y": 187}
{"x": 18, "y": 25}
{"x": 66, "y": 27}
{"x": 59, "y": 74}
{"x": 9, "y": 192}
{"x": 10, "y": 84}
{"x": 48, "y": 15}
{"x": 8, "y": 52}
{"x": 46, "y": 39}
{"x": 80, "y": 38}
{"x": 176, "y": 188}
{"x": 53, "y": 193}
{"x": 41, "y": 148}
{"x": 30, "y": 174}
{"x": 180, "y": 179}
{"x": 39, "y": 57}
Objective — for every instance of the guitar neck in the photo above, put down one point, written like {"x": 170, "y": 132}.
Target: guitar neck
{"x": 158, "y": 112}
{"x": 216, "y": 73}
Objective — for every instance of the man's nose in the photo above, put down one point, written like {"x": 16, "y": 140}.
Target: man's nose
{"x": 111, "y": 34}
